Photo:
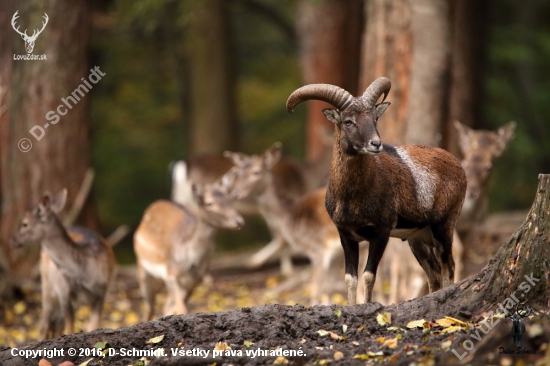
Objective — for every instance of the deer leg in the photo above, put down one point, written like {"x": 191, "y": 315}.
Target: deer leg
{"x": 97, "y": 307}
{"x": 68, "y": 315}
{"x": 458, "y": 253}
{"x": 351, "y": 256}
{"x": 377, "y": 246}
{"x": 145, "y": 285}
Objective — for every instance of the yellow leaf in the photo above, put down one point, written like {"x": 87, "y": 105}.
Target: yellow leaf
{"x": 131, "y": 318}
{"x": 156, "y": 339}
{"x": 338, "y": 312}
{"x": 221, "y": 346}
{"x": 281, "y": 360}
{"x": 457, "y": 322}
{"x": 355, "y": 343}
{"x": 397, "y": 329}
{"x": 445, "y": 322}
{"x": 446, "y": 345}
{"x": 399, "y": 336}
{"x": 380, "y": 339}
{"x": 19, "y": 308}
{"x": 322, "y": 332}
{"x": 383, "y": 319}
{"x": 100, "y": 345}
{"x": 451, "y": 329}
{"x": 248, "y": 343}
{"x": 321, "y": 362}
{"x": 416, "y": 324}
{"x": 345, "y": 328}
{"x": 361, "y": 328}
{"x": 338, "y": 355}
{"x": 390, "y": 343}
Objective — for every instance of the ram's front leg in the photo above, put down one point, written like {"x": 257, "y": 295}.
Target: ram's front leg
{"x": 351, "y": 255}
{"x": 377, "y": 244}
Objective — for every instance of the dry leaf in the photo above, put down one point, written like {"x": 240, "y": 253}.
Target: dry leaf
{"x": 383, "y": 319}
{"x": 100, "y": 345}
{"x": 445, "y": 322}
{"x": 344, "y": 328}
{"x": 390, "y": 343}
{"x": 221, "y": 346}
{"x": 457, "y": 322}
{"x": 380, "y": 339}
{"x": 322, "y": 332}
{"x": 156, "y": 339}
{"x": 281, "y": 360}
{"x": 338, "y": 313}
{"x": 397, "y": 329}
{"x": 416, "y": 324}
{"x": 446, "y": 345}
{"x": 85, "y": 363}
{"x": 338, "y": 355}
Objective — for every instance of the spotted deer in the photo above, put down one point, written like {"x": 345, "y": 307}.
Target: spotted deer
{"x": 302, "y": 221}
{"x": 293, "y": 177}
{"x": 76, "y": 265}
{"x": 479, "y": 148}
{"x": 173, "y": 243}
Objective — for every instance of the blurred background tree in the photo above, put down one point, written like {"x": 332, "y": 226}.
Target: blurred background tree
{"x": 196, "y": 76}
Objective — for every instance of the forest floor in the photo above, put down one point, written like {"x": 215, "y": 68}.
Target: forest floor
{"x": 335, "y": 335}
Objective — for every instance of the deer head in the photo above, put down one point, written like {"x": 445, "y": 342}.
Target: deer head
{"x": 29, "y": 40}
{"x": 479, "y": 149}
{"x": 251, "y": 172}
{"x": 213, "y": 201}
{"x": 36, "y": 223}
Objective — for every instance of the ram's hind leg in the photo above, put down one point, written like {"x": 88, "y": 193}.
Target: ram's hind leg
{"x": 424, "y": 251}
{"x": 443, "y": 237}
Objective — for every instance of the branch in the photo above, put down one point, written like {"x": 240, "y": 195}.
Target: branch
{"x": 81, "y": 198}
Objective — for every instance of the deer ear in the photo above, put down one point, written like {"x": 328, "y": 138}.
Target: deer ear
{"x": 332, "y": 115}
{"x": 505, "y": 135}
{"x": 227, "y": 181}
{"x": 273, "y": 155}
{"x": 198, "y": 191}
{"x": 236, "y": 157}
{"x": 381, "y": 108}
{"x": 44, "y": 204}
{"x": 58, "y": 202}
{"x": 463, "y": 136}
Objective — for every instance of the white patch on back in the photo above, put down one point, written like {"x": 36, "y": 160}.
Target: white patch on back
{"x": 155, "y": 269}
{"x": 424, "y": 180}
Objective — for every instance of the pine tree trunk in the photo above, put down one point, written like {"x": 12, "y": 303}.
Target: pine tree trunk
{"x": 32, "y": 89}
{"x": 330, "y": 40}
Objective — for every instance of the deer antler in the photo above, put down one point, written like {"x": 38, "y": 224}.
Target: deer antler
{"x": 13, "y": 19}
{"x": 35, "y": 34}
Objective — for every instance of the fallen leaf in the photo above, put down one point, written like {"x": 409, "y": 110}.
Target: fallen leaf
{"x": 156, "y": 339}
{"x": 383, "y": 319}
{"x": 344, "y": 328}
{"x": 221, "y": 346}
{"x": 361, "y": 328}
{"x": 451, "y": 329}
{"x": 380, "y": 339}
{"x": 321, "y": 362}
{"x": 302, "y": 341}
{"x": 322, "y": 332}
{"x": 355, "y": 343}
{"x": 397, "y": 329}
{"x": 390, "y": 343}
{"x": 248, "y": 343}
{"x": 445, "y": 322}
{"x": 100, "y": 345}
{"x": 534, "y": 330}
{"x": 338, "y": 355}
{"x": 446, "y": 345}
{"x": 457, "y": 322}
{"x": 338, "y": 312}
{"x": 416, "y": 324}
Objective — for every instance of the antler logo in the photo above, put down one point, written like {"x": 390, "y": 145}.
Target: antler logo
{"x": 29, "y": 40}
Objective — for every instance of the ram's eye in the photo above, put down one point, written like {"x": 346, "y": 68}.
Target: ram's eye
{"x": 348, "y": 122}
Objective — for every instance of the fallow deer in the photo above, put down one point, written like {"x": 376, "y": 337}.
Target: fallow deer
{"x": 173, "y": 243}
{"x": 76, "y": 265}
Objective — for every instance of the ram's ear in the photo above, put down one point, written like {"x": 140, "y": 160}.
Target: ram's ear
{"x": 381, "y": 108}
{"x": 332, "y": 115}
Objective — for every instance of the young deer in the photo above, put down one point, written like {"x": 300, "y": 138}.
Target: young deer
{"x": 174, "y": 243}
{"x": 294, "y": 178}
{"x": 303, "y": 221}
{"x": 76, "y": 265}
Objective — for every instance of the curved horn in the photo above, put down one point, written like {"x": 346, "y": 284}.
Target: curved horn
{"x": 375, "y": 90}
{"x": 332, "y": 94}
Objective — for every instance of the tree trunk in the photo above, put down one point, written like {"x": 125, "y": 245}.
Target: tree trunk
{"x": 470, "y": 26}
{"x": 214, "y": 118}
{"x": 520, "y": 269}
{"x": 330, "y": 38}
{"x": 33, "y": 89}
